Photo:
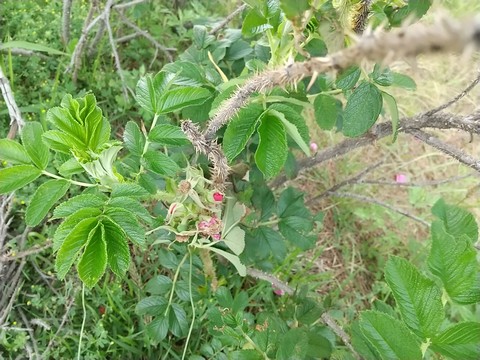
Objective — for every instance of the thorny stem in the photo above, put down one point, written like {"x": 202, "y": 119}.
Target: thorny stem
{"x": 79, "y": 183}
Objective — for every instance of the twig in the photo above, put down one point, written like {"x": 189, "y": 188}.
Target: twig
{"x": 66, "y": 16}
{"x": 64, "y": 320}
{"x": 446, "y": 148}
{"x": 354, "y": 179}
{"x": 118, "y": 64}
{"x": 260, "y": 275}
{"x": 33, "y": 250}
{"x": 332, "y": 324}
{"x": 128, "y": 4}
{"x": 147, "y": 36}
{"x": 18, "y": 51}
{"x": 229, "y": 18}
{"x": 16, "y": 120}
{"x": 92, "y": 48}
{"x": 30, "y": 332}
{"x": 456, "y": 98}
{"x": 127, "y": 37}
{"x": 415, "y": 184}
{"x": 377, "y": 202}
{"x": 446, "y": 35}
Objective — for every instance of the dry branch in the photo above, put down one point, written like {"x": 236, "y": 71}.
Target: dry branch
{"x": 229, "y": 18}
{"x": 16, "y": 120}
{"x": 66, "y": 16}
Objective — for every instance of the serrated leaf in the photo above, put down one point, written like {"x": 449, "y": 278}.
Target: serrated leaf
{"x": 393, "y": 109}
{"x": 347, "y": 79}
{"x": 178, "y": 323}
{"x": 327, "y": 111}
{"x": 254, "y": 23}
{"x": 60, "y": 141}
{"x": 44, "y": 198}
{"x": 294, "y": 345}
{"x": 158, "y": 329}
{"x": 33, "y": 144}
{"x": 11, "y": 151}
{"x": 294, "y": 125}
{"x": 76, "y": 203}
{"x": 159, "y": 285}
{"x": 179, "y": 98}
{"x": 459, "y": 342}
{"x": 93, "y": 262}
{"x": 128, "y": 189}
{"x": 362, "y": 110}
{"x": 160, "y": 163}
{"x": 264, "y": 242}
{"x": 295, "y": 229}
{"x": 152, "y": 305}
{"x": 224, "y": 297}
{"x": 240, "y": 129}
{"x": 133, "y": 138}
{"x": 291, "y": 203}
{"x": 117, "y": 248}
{"x": 149, "y": 90}
{"x": 72, "y": 245}
{"x": 294, "y": 8}
{"x": 127, "y": 221}
{"x": 389, "y": 336}
{"x": 272, "y": 149}
{"x": 69, "y": 224}
{"x": 382, "y": 75}
{"x": 242, "y": 270}
{"x": 70, "y": 167}
{"x": 361, "y": 344}
{"x": 186, "y": 73}
{"x": 457, "y": 221}
{"x": 454, "y": 261}
{"x": 132, "y": 205}
{"x": 417, "y": 297}
{"x": 16, "y": 177}
{"x": 404, "y": 81}
{"x": 201, "y": 38}
{"x": 167, "y": 134}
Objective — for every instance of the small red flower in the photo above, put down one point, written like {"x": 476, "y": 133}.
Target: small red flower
{"x": 101, "y": 309}
{"x": 218, "y": 197}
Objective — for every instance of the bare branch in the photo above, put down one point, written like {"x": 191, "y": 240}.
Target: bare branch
{"x": 229, "y": 18}
{"x": 68, "y": 306}
{"x": 16, "y": 120}
{"x": 129, "y": 4}
{"x": 92, "y": 48}
{"x": 127, "y": 37}
{"x": 377, "y": 202}
{"x": 446, "y": 148}
{"x": 445, "y": 35}
{"x": 33, "y": 250}
{"x": 332, "y": 324}
{"x": 18, "y": 51}
{"x": 279, "y": 284}
{"x": 66, "y": 16}
{"x": 416, "y": 184}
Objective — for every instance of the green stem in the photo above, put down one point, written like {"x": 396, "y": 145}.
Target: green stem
{"x": 255, "y": 346}
{"x": 147, "y": 144}
{"x": 79, "y": 183}
{"x": 175, "y": 278}
{"x": 83, "y": 323}
{"x": 268, "y": 223}
{"x": 191, "y": 302}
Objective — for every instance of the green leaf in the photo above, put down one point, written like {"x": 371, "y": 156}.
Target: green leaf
{"x": 417, "y": 297}
{"x": 393, "y": 109}
{"x": 347, "y": 79}
{"x": 149, "y": 90}
{"x": 128, "y": 189}
{"x": 70, "y": 167}
{"x": 158, "y": 329}
{"x": 152, "y": 305}
{"x": 294, "y": 124}
{"x": 179, "y": 98}
{"x": 294, "y": 345}
{"x": 117, "y": 248}
{"x": 460, "y": 341}
{"x": 454, "y": 261}
{"x": 159, "y": 285}
{"x": 240, "y": 129}
{"x": 178, "y": 323}
{"x": 272, "y": 149}
{"x": 16, "y": 177}
{"x": 224, "y": 297}
{"x": 295, "y": 230}
{"x": 362, "y": 109}
{"x": 291, "y": 203}
{"x": 61, "y": 142}
{"x": 42, "y": 201}
{"x": 294, "y": 8}
{"x": 201, "y": 38}
{"x": 160, "y": 163}
{"x": 132, "y": 205}
{"x": 127, "y": 221}
{"x": 186, "y": 73}
{"x": 13, "y": 152}
{"x": 235, "y": 240}
{"x": 242, "y": 270}
{"x": 264, "y": 242}
{"x": 403, "y": 81}
{"x": 69, "y": 224}
{"x": 76, "y": 203}
{"x": 254, "y": 23}
{"x": 93, "y": 262}
{"x": 133, "y": 138}
{"x": 327, "y": 111}
{"x": 457, "y": 221}
{"x": 361, "y": 344}
{"x": 166, "y": 134}
{"x": 72, "y": 245}
{"x": 240, "y": 49}
{"x": 382, "y": 76}
{"x": 389, "y": 336}
{"x": 19, "y": 44}
{"x": 32, "y": 141}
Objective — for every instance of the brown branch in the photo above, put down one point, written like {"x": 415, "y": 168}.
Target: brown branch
{"x": 18, "y": 51}
{"x": 16, "y": 120}
{"x": 229, "y": 18}
{"x": 93, "y": 47}
{"x": 127, "y": 37}
{"x": 379, "y": 203}
{"x": 415, "y": 184}
{"x": 66, "y": 16}
{"x": 64, "y": 320}
{"x": 332, "y": 324}
{"x": 20, "y": 255}
{"x": 445, "y": 35}
{"x": 128, "y": 4}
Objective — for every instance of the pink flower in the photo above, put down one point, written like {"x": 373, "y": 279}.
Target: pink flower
{"x": 313, "y": 147}
{"x": 217, "y": 236}
{"x": 401, "y": 178}
{"x": 218, "y": 197}
{"x": 277, "y": 291}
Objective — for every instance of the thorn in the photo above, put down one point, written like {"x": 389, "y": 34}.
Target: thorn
{"x": 312, "y": 80}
